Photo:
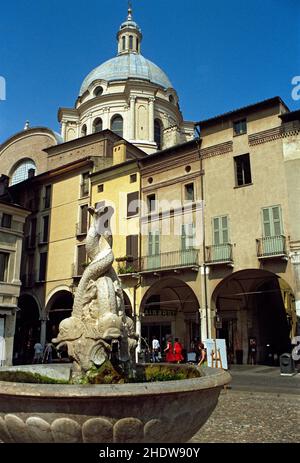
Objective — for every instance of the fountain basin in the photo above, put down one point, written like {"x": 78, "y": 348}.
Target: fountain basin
{"x": 152, "y": 412}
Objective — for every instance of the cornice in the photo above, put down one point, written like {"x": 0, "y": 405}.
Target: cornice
{"x": 166, "y": 183}
{"x": 282, "y": 131}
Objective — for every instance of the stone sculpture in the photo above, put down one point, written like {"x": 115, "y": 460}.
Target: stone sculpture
{"x": 98, "y": 329}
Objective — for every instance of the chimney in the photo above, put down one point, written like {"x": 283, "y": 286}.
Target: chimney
{"x": 119, "y": 152}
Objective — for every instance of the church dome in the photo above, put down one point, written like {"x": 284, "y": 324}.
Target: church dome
{"x": 127, "y": 66}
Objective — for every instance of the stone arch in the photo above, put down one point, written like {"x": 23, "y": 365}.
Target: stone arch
{"x": 255, "y": 303}
{"x": 28, "y": 328}
{"x": 170, "y": 307}
{"x": 28, "y": 144}
{"x": 58, "y": 307}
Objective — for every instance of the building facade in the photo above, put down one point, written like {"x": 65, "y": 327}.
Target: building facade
{"x": 206, "y": 230}
{"x": 12, "y": 220}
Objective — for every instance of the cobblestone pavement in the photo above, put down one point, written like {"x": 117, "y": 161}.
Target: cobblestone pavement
{"x": 253, "y": 417}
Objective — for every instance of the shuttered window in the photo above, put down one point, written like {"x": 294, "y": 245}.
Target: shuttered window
{"x": 220, "y": 230}
{"x": 187, "y": 236}
{"x": 272, "y": 223}
{"x": 153, "y": 243}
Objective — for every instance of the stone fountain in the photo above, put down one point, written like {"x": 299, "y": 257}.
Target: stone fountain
{"x": 99, "y": 333}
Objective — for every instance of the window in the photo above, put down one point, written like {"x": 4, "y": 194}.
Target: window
{"x": 32, "y": 235}
{"x": 132, "y": 247}
{"x": 84, "y": 130}
{"x": 4, "y": 259}
{"x": 272, "y": 223}
{"x": 23, "y": 171}
{"x": 171, "y": 99}
{"x": 85, "y": 184}
{"x": 123, "y": 42}
{"x": 83, "y": 218}
{"x": 133, "y": 178}
{"x": 151, "y": 203}
{"x": 97, "y": 125}
{"x": 153, "y": 243}
{"x": 220, "y": 230}
{"x": 242, "y": 170}
{"x": 240, "y": 127}
{"x": 189, "y": 192}
{"x": 187, "y": 236}
{"x": 81, "y": 259}
{"x": 158, "y": 133}
{"x": 137, "y": 44}
{"x": 117, "y": 125}
{"x": 43, "y": 266}
{"x": 98, "y": 91}
{"x": 6, "y": 220}
{"x": 132, "y": 204}
{"x": 47, "y": 198}
{"x": 100, "y": 188}
{"x": 130, "y": 42}
{"x": 45, "y": 230}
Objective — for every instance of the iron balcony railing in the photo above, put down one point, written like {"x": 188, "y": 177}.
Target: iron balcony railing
{"x": 175, "y": 259}
{"x": 218, "y": 254}
{"x": 271, "y": 246}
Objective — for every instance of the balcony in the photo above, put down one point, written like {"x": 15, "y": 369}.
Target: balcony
{"x": 219, "y": 254}
{"x": 175, "y": 260}
{"x": 271, "y": 247}
{"x": 127, "y": 265}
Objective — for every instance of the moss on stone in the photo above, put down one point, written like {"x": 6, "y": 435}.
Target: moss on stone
{"x": 28, "y": 377}
{"x": 105, "y": 374}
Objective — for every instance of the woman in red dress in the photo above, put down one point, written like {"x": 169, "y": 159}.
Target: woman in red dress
{"x": 169, "y": 351}
{"x": 178, "y": 351}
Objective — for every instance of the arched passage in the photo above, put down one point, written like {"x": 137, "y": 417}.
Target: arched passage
{"x": 170, "y": 307}
{"x": 59, "y": 307}
{"x": 255, "y": 304}
{"x": 27, "y": 331}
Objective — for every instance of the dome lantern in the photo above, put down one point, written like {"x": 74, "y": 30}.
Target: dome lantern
{"x": 129, "y": 35}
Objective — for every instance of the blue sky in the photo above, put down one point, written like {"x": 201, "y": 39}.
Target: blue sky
{"x": 219, "y": 54}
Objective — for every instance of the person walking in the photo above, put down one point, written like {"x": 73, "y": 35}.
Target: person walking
{"x": 178, "y": 351}
{"x": 155, "y": 349}
{"x": 170, "y": 357}
{"x": 38, "y": 353}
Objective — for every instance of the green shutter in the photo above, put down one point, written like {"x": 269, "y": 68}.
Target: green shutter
{"x": 267, "y": 222}
{"x": 216, "y": 223}
{"x": 224, "y": 235}
{"x": 272, "y": 224}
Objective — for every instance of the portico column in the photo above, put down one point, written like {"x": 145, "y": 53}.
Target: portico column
{"x": 151, "y": 119}
{"x": 132, "y": 118}
{"x": 43, "y": 320}
{"x": 295, "y": 259}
